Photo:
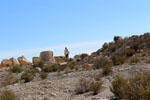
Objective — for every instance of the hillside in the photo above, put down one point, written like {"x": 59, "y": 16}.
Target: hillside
{"x": 111, "y": 72}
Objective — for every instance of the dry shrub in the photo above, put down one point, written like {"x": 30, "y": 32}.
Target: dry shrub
{"x": 107, "y": 70}
{"x": 133, "y": 60}
{"x": 96, "y": 87}
{"x": 16, "y": 69}
{"x": 43, "y": 75}
{"x": 27, "y": 76}
{"x": 85, "y": 66}
{"x": 8, "y": 95}
{"x": 129, "y": 52}
{"x": 52, "y": 68}
{"x": 83, "y": 86}
{"x": 134, "y": 88}
{"x": 101, "y": 63}
{"x": 117, "y": 60}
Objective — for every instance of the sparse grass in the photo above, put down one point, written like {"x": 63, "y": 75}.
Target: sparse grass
{"x": 8, "y": 95}
{"x": 16, "y": 69}
{"x": 43, "y": 75}
{"x": 134, "y": 88}
{"x": 10, "y": 79}
{"x": 133, "y": 60}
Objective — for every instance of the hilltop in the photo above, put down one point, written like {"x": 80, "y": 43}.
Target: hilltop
{"x": 109, "y": 73}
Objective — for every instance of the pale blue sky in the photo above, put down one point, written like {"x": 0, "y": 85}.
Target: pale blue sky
{"x": 33, "y": 25}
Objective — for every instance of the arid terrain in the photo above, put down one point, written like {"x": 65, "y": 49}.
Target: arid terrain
{"x": 59, "y": 78}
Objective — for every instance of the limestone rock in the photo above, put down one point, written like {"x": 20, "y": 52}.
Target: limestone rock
{"x": 14, "y": 61}
{"x": 6, "y": 62}
{"x": 46, "y": 56}
{"x": 36, "y": 60}
{"x": 23, "y": 61}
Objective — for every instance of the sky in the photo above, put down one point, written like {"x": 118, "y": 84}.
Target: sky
{"x": 28, "y": 27}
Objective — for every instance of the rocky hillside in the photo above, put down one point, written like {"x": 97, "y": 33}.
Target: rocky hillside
{"x": 109, "y": 73}
{"x": 139, "y": 44}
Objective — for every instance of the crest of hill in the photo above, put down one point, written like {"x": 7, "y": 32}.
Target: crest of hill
{"x": 124, "y": 46}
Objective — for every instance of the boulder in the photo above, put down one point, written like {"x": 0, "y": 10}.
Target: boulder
{"x": 36, "y": 60}
{"x": 23, "y": 61}
{"x": 46, "y": 56}
{"x": 14, "y": 61}
{"x": 6, "y": 62}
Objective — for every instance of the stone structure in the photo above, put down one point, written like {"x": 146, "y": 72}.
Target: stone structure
{"x": 23, "y": 61}
{"x": 46, "y": 56}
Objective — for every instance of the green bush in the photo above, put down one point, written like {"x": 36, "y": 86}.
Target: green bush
{"x": 133, "y": 60}
{"x": 8, "y": 95}
{"x": 27, "y": 76}
{"x": 43, "y": 75}
{"x": 96, "y": 87}
{"x": 129, "y": 52}
{"x": 117, "y": 60}
{"x": 16, "y": 69}
{"x": 101, "y": 63}
{"x": 134, "y": 88}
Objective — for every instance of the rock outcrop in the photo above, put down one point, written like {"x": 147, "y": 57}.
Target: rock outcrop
{"x": 6, "y": 62}
{"x": 23, "y": 61}
{"x": 14, "y": 61}
{"x": 46, "y": 56}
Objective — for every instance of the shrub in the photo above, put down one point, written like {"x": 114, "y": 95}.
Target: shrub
{"x": 129, "y": 52}
{"x": 52, "y": 68}
{"x": 72, "y": 65}
{"x": 45, "y": 98}
{"x": 96, "y": 87}
{"x": 133, "y": 60}
{"x": 84, "y": 55}
{"x": 135, "y": 46}
{"x": 8, "y": 95}
{"x": 116, "y": 38}
{"x": 83, "y": 86}
{"x": 16, "y": 69}
{"x": 43, "y": 75}
{"x": 119, "y": 87}
{"x": 101, "y": 63}
{"x": 117, "y": 60}
{"x": 27, "y": 76}
{"x": 107, "y": 70}
{"x": 134, "y": 88}
{"x": 85, "y": 66}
